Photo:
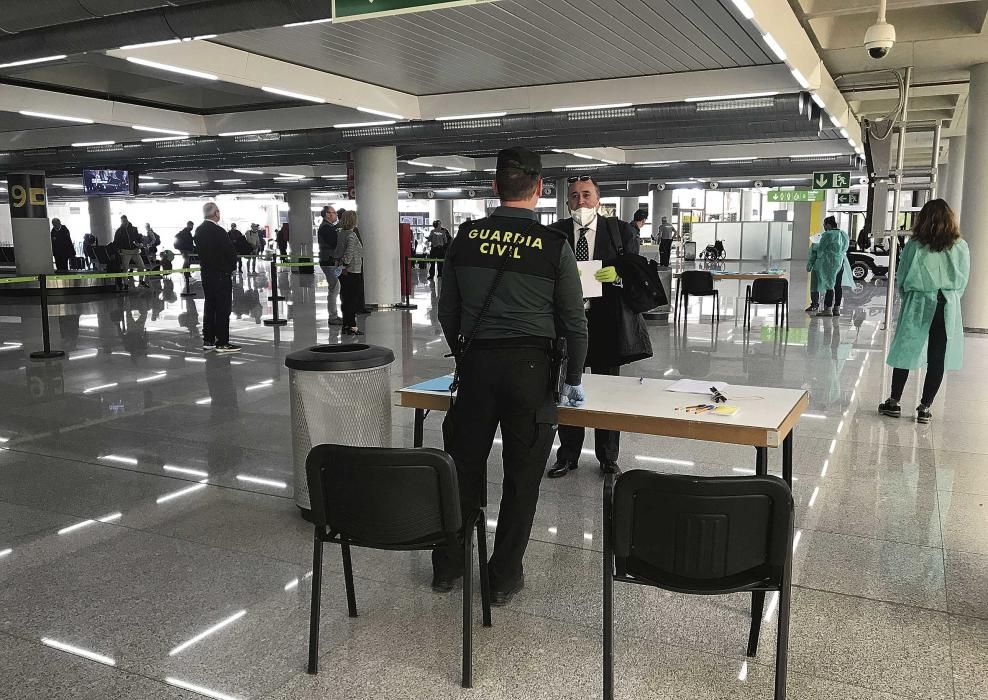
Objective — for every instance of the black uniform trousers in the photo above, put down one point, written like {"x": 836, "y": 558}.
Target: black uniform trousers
{"x": 218, "y": 290}
{"x": 502, "y": 383}
{"x": 607, "y": 443}
{"x": 665, "y": 251}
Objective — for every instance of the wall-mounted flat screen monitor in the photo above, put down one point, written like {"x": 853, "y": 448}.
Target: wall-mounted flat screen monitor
{"x": 106, "y": 181}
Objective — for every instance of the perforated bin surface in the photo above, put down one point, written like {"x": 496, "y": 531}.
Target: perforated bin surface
{"x": 350, "y": 407}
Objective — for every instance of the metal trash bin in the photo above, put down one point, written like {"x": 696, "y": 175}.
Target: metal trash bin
{"x": 340, "y": 394}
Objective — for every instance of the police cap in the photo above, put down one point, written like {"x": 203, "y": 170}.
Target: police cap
{"x": 519, "y": 158}
{"x": 640, "y": 215}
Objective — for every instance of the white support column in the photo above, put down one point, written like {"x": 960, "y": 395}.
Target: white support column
{"x": 627, "y": 206}
{"x": 974, "y": 221}
{"x": 562, "y": 192}
{"x": 300, "y": 224}
{"x": 100, "y": 224}
{"x": 953, "y": 192}
{"x": 659, "y": 205}
{"x": 376, "y": 172}
{"x": 444, "y": 212}
{"x": 751, "y": 209}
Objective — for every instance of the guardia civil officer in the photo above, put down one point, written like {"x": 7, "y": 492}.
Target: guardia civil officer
{"x": 505, "y": 364}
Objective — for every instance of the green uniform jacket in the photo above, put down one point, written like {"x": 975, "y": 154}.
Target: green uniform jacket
{"x": 827, "y": 258}
{"x": 922, "y": 273}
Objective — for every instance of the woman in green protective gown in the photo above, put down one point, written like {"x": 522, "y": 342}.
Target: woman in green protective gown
{"x": 932, "y": 275}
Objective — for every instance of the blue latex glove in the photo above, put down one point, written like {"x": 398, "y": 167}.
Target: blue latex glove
{"x": 572, "y": 396}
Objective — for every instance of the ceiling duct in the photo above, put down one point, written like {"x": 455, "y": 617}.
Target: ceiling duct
{"x": 162, "y": 23}
{"x": 650, "y": 125}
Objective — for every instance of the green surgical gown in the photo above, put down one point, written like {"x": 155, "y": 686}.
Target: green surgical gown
{"x": 921, "y": 274}
{"x": 828, "y": 257}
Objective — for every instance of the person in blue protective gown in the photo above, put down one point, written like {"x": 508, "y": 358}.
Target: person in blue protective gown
{"x": 931, "y": 279}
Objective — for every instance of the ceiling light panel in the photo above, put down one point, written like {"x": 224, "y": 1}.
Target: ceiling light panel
{"x": 172, "y": 69}
{"x": 56, "y": 117}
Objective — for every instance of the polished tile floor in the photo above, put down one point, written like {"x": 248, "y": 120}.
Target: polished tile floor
{"x": 150, "y": 546}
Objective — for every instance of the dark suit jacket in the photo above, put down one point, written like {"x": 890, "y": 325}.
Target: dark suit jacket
{"x": 617, "y": 335}
{"x": 216, "y": 252}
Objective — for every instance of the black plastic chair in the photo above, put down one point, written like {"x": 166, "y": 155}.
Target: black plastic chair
{"x": 391, "y": 498}
{"x": 703, "y": 536}
{"x": 697, "y": 283}
{"x": 771, "y": 291}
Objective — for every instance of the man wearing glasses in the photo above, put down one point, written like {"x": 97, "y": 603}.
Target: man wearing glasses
{"x": 617, "y": 335}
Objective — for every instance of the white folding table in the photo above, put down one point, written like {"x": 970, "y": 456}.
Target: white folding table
{"x": 766, "y": 417}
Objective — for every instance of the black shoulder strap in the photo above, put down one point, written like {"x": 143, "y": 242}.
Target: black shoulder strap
{"x": 612, "y": 229}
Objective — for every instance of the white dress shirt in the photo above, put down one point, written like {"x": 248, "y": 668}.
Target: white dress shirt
{"x": 591, "y": 234}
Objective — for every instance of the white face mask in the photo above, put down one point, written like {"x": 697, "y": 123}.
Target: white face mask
{"x": 584, "y": 215}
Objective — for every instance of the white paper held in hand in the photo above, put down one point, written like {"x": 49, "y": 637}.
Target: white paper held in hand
{"x": 591, "y": 287}
{"x": 696, "y": 386}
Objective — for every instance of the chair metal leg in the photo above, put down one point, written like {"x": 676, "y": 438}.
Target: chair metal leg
{"x": 351, "y": 596}
{"x": 608, "y": 594}
{"x": 467, "y": 681}
{"x": 782, "y": 643}
{"x": 761, "y": 461}
{"x": 314, "y": 607}
{"x": 757, "y": 609}
{"x": 485, "y": 580}
{"x": 717, "y": 305}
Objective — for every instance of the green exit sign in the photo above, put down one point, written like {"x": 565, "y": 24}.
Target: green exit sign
{"x": 783, "y": 196}
{"x": 832, "y": 181}
{"x": 346, "y": 10}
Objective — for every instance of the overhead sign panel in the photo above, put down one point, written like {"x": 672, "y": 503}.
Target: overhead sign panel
{"x": 849, "y": 198}
{"x": 346, "y": 10}
{"x": 783, "y": 196}
{"x": 832, "y": 181}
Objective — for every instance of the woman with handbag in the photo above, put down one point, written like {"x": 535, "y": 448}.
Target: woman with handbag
{"x": 351, "y": 278}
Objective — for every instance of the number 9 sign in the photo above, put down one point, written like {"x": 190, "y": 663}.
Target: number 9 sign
{"x": 27, "y": 196}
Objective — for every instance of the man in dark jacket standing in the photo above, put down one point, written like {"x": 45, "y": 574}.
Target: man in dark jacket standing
{"x": 330, "y": 252}
{"x": 616, "y": 335}
{"x": 217, "y": 260}
{"x": 128, "y": 243}
{"x": 61, "y": 245}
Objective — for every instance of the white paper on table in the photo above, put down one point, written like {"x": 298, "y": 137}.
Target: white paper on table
{"x": 591, "y": 287}
{"x": 696, "y": 386}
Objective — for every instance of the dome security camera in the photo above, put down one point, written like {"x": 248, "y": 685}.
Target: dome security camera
{"x": 714, "y": 185}
{"x": 758, "y": 184}
{"x": 661, "y": 186}
{"x": 880, "y": 37}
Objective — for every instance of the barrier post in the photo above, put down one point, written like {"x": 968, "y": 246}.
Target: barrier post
{"x": 186, "y": 261}
{"x": 275, "y": 297}
{"x": 275, "y": 320}
{"x": 47, "y": 353}
{"x": 407, "y": 286}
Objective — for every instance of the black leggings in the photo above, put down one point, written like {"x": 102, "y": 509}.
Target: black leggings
{"x": 936, "y": 351}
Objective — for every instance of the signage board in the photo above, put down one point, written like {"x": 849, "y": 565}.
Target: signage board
{"x": 347, "y": 10}
{"x": 783, "y": 196}
{"x": 850, "y": 198}
{"x": 832, "y": 181}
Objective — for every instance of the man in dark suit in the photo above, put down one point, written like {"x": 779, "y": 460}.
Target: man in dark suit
{"x": 217, "y": 260}
{"x": 617, "y": 336}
